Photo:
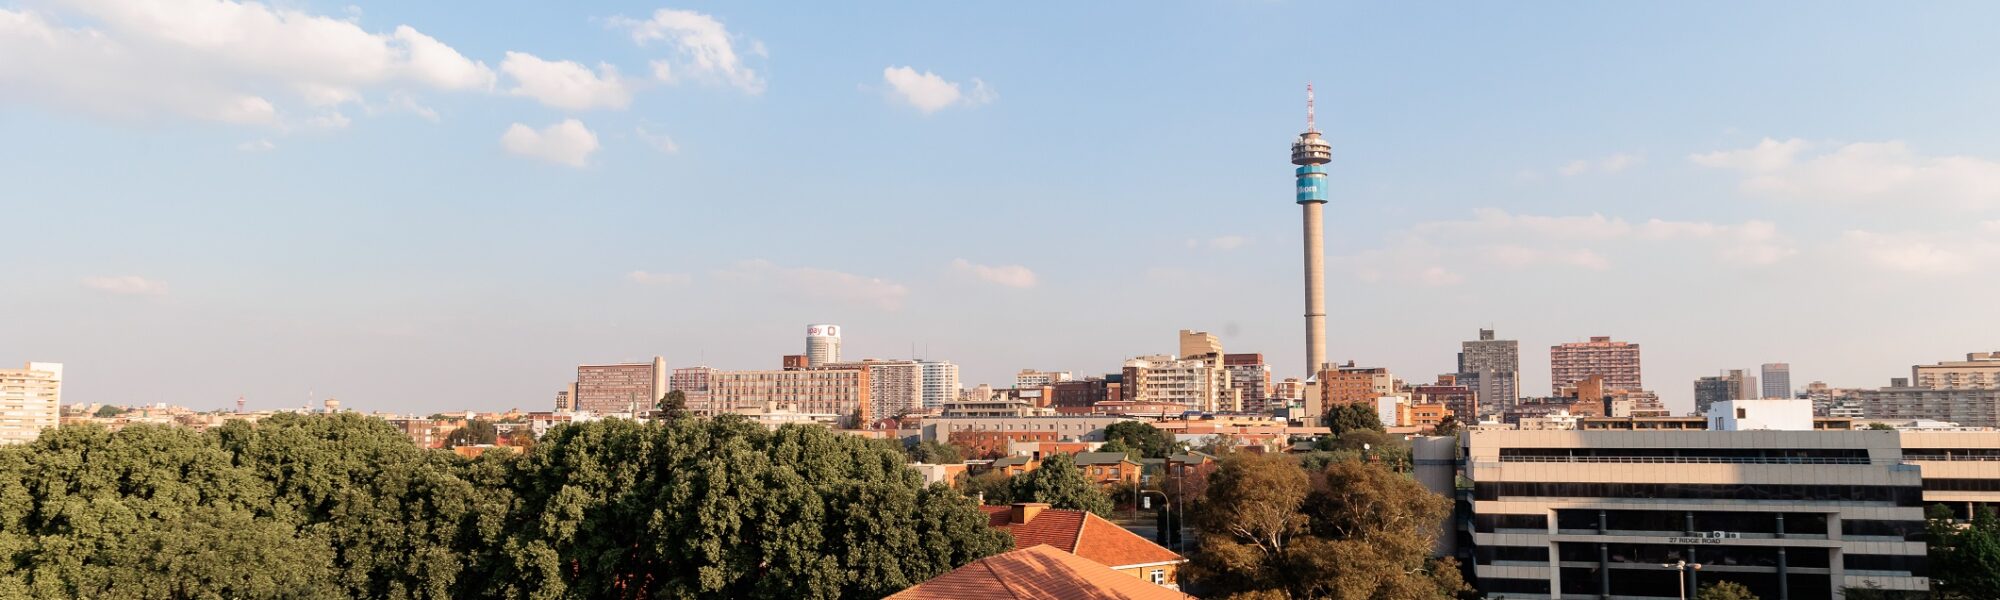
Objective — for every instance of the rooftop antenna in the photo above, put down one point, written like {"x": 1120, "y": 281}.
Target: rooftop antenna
{"x": 1309, "y": 107}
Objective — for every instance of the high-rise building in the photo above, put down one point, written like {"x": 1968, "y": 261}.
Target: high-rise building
{"x": 1966, "y": 406}
{"x": 1165, "y": 379}
{"x": 1460, "y": 399}
{"x": 839, "y": 394}
{"x": 1710, "y": 390}
{"x": 1492, "y": 369}
{"x": 940, "y": 383}
{"x": 620, "y": 388}
{"x": 1979, "y": 371}
{"x": 1199, "y": 345}
{"x": 895, "y": 387}
{"x": 1742, "y": 385}
{"x": 1028, "y": 378}
{"x": 1311, "y": 154}
{"x": 693, "y": 382}
{"x": 1777, "y": 380}
{"x": 822, "y": 345}
{"x": 1341, "y": 386}
{"x": 30, "y": 401}
{"x": 1617, "y": 361}
{"x": 1251, "y": 379}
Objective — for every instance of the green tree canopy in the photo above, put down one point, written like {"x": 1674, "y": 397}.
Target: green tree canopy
{"x": 1351, "y": 417}
{"x": 1969, "y": 553}
{"x": 1062, "y": 484}
{"x": 674, "y": 405}
{"x": 345, "y": 506}
{"x": 995, "y": 487}
{"x": 934, "y": 452}
{"x": 1724, "y": 590}
{"x": 1365, "y": 532}
{"x": 1150, "y": 441}
{"x": 475, "y": 432}
{"x": 107, "y": 411}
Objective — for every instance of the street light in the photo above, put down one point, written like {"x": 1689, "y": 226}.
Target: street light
{"x": 1166, "y": 504}
{"x": 1681, "y": 567}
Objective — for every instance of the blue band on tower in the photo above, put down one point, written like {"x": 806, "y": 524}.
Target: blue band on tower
{"x": 1312, "y": 184}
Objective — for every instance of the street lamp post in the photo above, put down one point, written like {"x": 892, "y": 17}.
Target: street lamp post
{"x": 1680, "y": 568}
{"x": 1167, "y": 504}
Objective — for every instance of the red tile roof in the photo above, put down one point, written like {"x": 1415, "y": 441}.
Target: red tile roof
{"x": 1037, "y": 573}
{"x": 1083, "y": 534}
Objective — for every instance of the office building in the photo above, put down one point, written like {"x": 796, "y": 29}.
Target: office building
{"x": 1742, "y": 385}
{"x": 940, "y": 383}
{"x": 1634, "y": 403}
{"x": 822, "y": 344}
{"x": 1979, "y": 371}
{"x": 1710, "y": 390}
{"x": 895, "y": 387}
{"x": 1492, "y": 368}
{"x": 1077, "y": 396}
{"x": 1460, "y": 400}
{"x": 1082, "y": 428}
{"x": 1250, "y": 378}
{"x": 1033, "y": 378}
{"x": 1349, "y": 384}
{"x": 1617, "y": 361}
{"x": 1195, "y": 384}
{"x": 793, "y": 361}
{"x": 693, "y": 382}
{"x": 842, "y": 392}
{"x": 1792, "y": 515}
{"x": 30, "y": 401}
{"x": 1199, "y": 345}
{"x": 1829, "y": 401}
{"x": 1961, "y": 471}
{"x": 629, "y": 388}
{"x": 1777, "y": 380}
{"x": 1967, "y": 406}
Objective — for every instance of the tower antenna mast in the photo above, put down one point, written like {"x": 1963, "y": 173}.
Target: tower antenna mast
{"x": 1309, "y": 108}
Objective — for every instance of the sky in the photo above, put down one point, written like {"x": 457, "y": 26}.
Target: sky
{"x": 425, "y": 206}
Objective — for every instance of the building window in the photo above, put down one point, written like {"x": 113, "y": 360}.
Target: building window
{"x": 1159, "y": 576}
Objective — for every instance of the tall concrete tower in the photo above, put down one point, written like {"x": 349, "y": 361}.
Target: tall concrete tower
{"x": 1309, "y": 152}
{"x": 822, "y": 344}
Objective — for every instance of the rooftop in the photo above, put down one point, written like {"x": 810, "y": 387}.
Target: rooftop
{"x": 1039, "y": 572}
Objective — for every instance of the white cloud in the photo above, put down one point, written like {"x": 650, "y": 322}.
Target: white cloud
{"x": 565, "y": 84}
{"x": 126, "y": 285}
{"x": 257, "y": 146}
{"x": 567, "y": 143}
{"x": 930, "y": 93}
{"x": 704, "y": 47}
{"x": 648, "y": 278}
{"x": 1889, "y": 173}
{"x": 1925, "y": 253}
{"x": 215, "y": 60}
{"x": 807, "y": 283}
{"x": 1609, "y": 164}
{"x": 658, "y": 141}
{"x": 1014, "y": 276}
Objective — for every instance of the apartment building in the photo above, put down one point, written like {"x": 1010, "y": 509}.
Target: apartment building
{"x": 620, "y": 388}
{"x": 940, "y": 383}
{"x": 1250, "y": 377}
{"x": 30, "y": 401}
{"x": 1033, "y": 378}
{"x": 1196, "y": 384}
{"x": 1967, "y": 406}
{"x": 1617, "y": 361}
{"x": 1979, "y": 370}
{"x": 1594, "y": 514}
{"x": 836, "y": 391}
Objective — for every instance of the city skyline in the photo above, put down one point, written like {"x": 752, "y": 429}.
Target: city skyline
{"x": 436, "y": 235}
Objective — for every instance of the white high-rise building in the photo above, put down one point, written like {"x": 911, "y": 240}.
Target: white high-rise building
{"x": 822, "y": 345}
{"x": 940, "y": 383}
{"x": 30, "y": 401}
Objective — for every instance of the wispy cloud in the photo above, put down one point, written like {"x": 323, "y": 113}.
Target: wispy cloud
{"x": 650, "y": 278}
{"x": 1887, "y": 173}
{"x": 565, "y": 143}
{"x": 930, "y": 93}
{"x": 1494, "y": 237}
{"x": 704, "y": 49}
{"x": 819, "y": 284}
{"x": 126, "y": 285}
{"x": 566, "y": 84}
{"x": 1014, "y": 276}
{"x": 1926, "y": 253}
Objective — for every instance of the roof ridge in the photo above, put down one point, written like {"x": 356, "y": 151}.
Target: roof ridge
{"x": 1077, "y": 543}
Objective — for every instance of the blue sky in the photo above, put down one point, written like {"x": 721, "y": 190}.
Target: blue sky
{"x": 428, "y": 206}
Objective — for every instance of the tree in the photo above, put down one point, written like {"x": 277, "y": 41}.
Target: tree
{"x": 1365, "y": 532}
{"x": 107, "y": 411}
{"x": 1062, "y": 484}
{"x": 1448, "y": 426}
{"x": 1353, "y": 416}
{"x": 674, "y": 405}
{"x": 1881, "y": 427}
{"x": 934, "y": 452}
{"x": 1969, "y": 552}
{"x": 1150, "y": 441}
{"x": 993, "y": 487}
{"x": 475, "y": 432}
{"x": 1724, "y": 590}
